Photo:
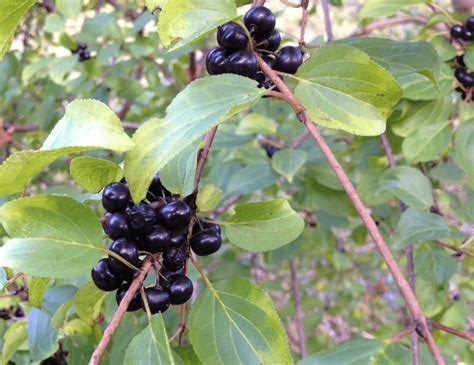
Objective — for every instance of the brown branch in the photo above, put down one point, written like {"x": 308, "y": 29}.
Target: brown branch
{"x": 300, "y": 140}
{"x": 384, "y": 23}
{"x": 459, "y": 250}
{"x": 119, "y": 313}
{"x": 258, "y": 3}
{"x": 203, "y": 156}
{"x": 327, "y": 20}
{"x": 402, "y": 334}
{"x": 403, "y": 285}
{"x": 304, "y": 21}
{"x": 299, "y": 316}
{"x": 452, "y": 331}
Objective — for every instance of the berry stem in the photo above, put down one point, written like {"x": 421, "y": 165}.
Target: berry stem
{"x": 453, "y": 331}
{"x": 121, "y": 259}
{"x": 119, "y": 313}
{"x": 145, "y": 303}
{"x": 203, "y": 154}
{"x": 403, "y": 285}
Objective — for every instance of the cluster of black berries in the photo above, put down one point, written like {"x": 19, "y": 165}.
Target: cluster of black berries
{"x": 235, "y": 54}
{"x": 157, "y": 225}
{"x": 82, "y": 52}
{"x": 463, "y": 75}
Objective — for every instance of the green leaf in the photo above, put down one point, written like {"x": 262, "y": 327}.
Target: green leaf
{"x": 42, "y": 338}
{"x": 53, "y": 23}
{"x": 464, "y": 149}
{"x": 234, "y": 322}
{"x": 58, "y": 318}
{"x": 416, "y": 226}
{"x": 93, "y": 173}
{"x": 435, "y": 265}
{"x": 409, "y": 185}
{"x": 3, "y": 277}
{"x": 151, "y": 346}
{"x": 355, "y": 352}
{"x": 61, "y": 67}
{"x": 255, "y": 123}
{"x": 69, "y": 8}
{"x": 419, "y": 87}
{"x": 49, "y": 229}
{"x": 427, "y": 142}
{"x": 287, "y": 162}
{"x": 178, "y": 174}
{"x": 264, "y": 226}
{"x": 381, "y": 8}
{"x": 208, "y": 198}
{"x": 86, "y": 125}
{"x": 88, "y": 301}
{"x": 399, "y": 58}
{"x": 343, "y": 88}
{"x": 204, "y": 104}
{"x": 12, "y": 340}
{"x": 187, "y": 355}
{"x": 11, "y": 13}
{"x": 469, "y": 56}
{"x": 183, "y": 21}
{"x": 36, "y": 290}
{"x": 151, "y": 5}
{"x": 77, "y": 327}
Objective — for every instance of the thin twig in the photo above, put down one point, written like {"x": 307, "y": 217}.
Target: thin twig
{"x": 327, "y": 20}
{"x": 258, "y": 3}
{"x": 304, "y": 21}
{"x": 384, "y": 23}
{"x": 300, "y": 140}
{"x": 402, "y": 334}
{"x": 119, "y": 313}
{"x": 459, "y": 250}
{"x": 382, "y": 246}
{"x": 452, "y": 331}
{"x": 299, "y": 316}
{"x": 203, "y": 156}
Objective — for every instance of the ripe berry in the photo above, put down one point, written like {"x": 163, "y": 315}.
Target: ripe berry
{"x": 201, "y": 225}
{"x": 177, "y": 238}
{"x": 180, "y": 288}
{"x": 115, "y": 197}
{"x": 136, "y": 302}
{"x": 157, "y": 240}
{"x": 206, "y": 242}
{"x": 464, "y": 77}
{"x": 467, "y": 35}
{"x": 242, "y": 63}
{"x": 457, "y": 31}
{"x": 142, "y": 218}
{"x": 174, "y": 258}
{"x": 158, "y": 300}
{"x": 288, "y": 60}
{"x": 128, "y": 251}
{"x": 176, "y": 214}
{"x": 156, "y": 189}
{"x": 104, "y": 278}
{"x": 216, "y": 61}
{"x": 232, "y": 37}
{"x": 117, "y": 226}
{"x": 260, "y": 20}
{"x": 165, "y": 275}
{"x": 270, "y": 43}
{"x": 470, "y": 24}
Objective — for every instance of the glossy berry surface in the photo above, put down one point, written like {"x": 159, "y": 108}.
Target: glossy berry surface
{"x": 470, "y": 24}
{"x": 128, "y": 251}
{"x": 158, "y": 300}
{"x": 206, "y": 242}
{"x": 157, "y": 240}
{"x": 180, "y": 288}
{"x": 174, "y": 258}
{"x": 216, "y": 61}
{"x": 457, "y": 31}
{"x": 142, "y": 217}
{"x": 115, "y": 197}
{"x": 232, "y": 37}
{"x": 260, "y": 20}
{"x": 270, "y": 43}
{"x": 242, "y": 63}
{"x": 136, "y": 302}
{"x": 175, "y": 215}
{"x": 288, "y": 60}
{"x": 117, "y": 226}
{"x": 165, "y": 276}
{"x": 465, "y": 78}
{"x": 467, "y": 36}
{"x": 156, "y": 189}
{"x": 177, "y": 238}
{"x": 103, "y": 276}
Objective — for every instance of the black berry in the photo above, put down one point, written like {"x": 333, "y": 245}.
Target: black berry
{"x": 270, "y": 43}
{"x": 103, "y": 276}
{"x": 117, "y": 226}
{"x": 177, "y": 238}
{"x": 242, "y": 63}
{"x": 128, "y": 251}
{"x": 232, "y": 37}
{"x": 465, "y": 78}
{"x": 470, "y": 24}
{"x": 459, "y": 60}
{"x": 206, "y": 242}
{"x": 142, "y": 218}
{"x": 156, "y": 189}
{"x": 165, "y": 276}
{"x": 467, "y": 35}
{"x": 157, "y": 240}
{"x": 216, "y": 61}
{"x": 158, "y": 300}
{"x": 260, "y": 20}
{"x": 174, "y": 258}
{"x": 180, "y": 288}
{"x": 457, "y": 31}
{"x": 115, "y": 197}
{"x": 176, "y": 214}
{"x": 136, "y": 302}
{"x": 288, "y": 60}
